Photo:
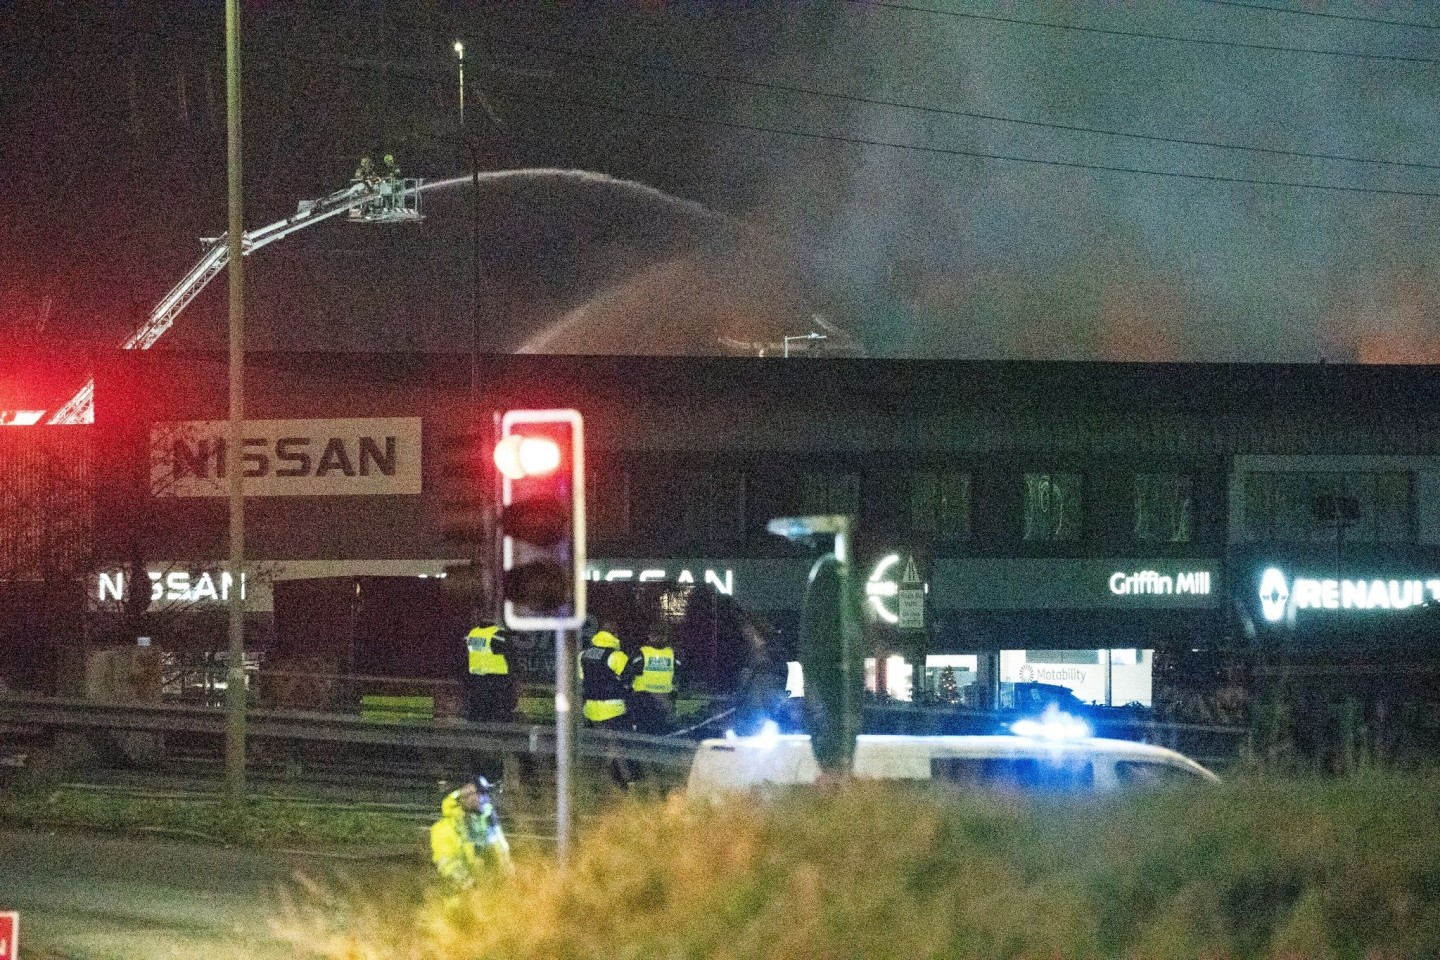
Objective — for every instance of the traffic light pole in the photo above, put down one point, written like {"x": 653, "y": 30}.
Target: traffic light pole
{"x": 564, "y": 736}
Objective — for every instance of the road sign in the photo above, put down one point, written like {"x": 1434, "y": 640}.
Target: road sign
{"x": 910, "y": 600}
{"x": 9, "y": 935}
{"x": 910, "y": 604}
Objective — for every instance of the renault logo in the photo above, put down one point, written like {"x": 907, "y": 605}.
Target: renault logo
{"x": 1274, "y": 594}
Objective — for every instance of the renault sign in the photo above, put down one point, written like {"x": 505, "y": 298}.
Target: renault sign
{"x": 1281, "y": 593}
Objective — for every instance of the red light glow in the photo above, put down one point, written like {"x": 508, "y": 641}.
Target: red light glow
{"x": 518, "y": 457}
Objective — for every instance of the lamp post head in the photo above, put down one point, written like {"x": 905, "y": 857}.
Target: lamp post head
{"x": 459, "y": 49}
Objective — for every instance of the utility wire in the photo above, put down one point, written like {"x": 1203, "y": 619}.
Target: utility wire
{"x": 974, "y": 154}
{"x": 278, "y": 60}
{"x": 1137, "y": 34}
{"x": 425, "y": 77}
{"x": 950, "y": 112}
{"x": 1410, "y": 24}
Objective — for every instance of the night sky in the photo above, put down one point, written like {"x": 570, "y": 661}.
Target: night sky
{"x": 112, "y": 165}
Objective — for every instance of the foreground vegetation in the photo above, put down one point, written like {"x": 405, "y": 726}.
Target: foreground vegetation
{"x": 1264, "y": 868}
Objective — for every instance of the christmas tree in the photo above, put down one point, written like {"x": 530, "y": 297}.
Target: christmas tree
{"x": 949, "y": 688}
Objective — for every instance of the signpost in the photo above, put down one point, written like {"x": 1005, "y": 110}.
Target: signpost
{"x": 910, "y": 603}
{"x": 9, "y": 935}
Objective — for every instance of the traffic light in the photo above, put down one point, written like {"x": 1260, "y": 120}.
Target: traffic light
{"x": 541, "y": 459}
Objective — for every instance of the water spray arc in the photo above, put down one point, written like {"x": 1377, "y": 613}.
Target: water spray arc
{"x": 81, "y": 407}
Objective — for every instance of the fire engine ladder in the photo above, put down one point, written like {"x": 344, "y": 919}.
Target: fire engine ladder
{"x": 358, "y": 196}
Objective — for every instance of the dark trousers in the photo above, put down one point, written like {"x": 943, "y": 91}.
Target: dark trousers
{"x": 653, "y": 713}
{"x": 491, "y": 698}
{"x": 621, "y": 770}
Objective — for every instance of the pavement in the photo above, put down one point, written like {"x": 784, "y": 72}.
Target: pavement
{"x": 87, "y": 896}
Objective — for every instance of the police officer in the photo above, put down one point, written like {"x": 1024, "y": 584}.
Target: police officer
{"x": 653, "y": 691}
{"x": 468, "y": 837}
{"x": 491, "y": 693}
{"x": 605, "y": 673}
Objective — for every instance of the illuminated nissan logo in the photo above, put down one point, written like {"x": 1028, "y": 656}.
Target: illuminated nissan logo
{"x": 1274, "y": 594}
{"x": 882, "y": 590}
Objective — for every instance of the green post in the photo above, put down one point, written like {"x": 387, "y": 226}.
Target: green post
{"x": 830, "y": 647}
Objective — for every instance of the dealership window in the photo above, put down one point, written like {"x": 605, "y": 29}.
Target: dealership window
{"x": 1111, "y": 676}
{"x": 831, "y": 492}
{"x": 1164, "y": 508}
{"x": 940, "y": 503}
{"x": 607, "y": 504}
{"x": 714, "y": 506}
{"x": 1294, "y": 507}
{"x": 1052, "y": 506}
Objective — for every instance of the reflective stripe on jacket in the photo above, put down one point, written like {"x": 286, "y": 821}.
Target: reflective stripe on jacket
{"x": 602, "y": 667}
{"x": 657, "y": 670}
{"x": 484, "y": 661}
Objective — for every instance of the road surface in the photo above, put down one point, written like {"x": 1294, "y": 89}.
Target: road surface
{"x": 88, "y": 896}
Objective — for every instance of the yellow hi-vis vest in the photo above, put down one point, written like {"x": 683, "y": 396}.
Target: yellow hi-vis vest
{"x": 657, "y": 670}
{"x": 483, "y": 660}
{"x": 602, "y": 664}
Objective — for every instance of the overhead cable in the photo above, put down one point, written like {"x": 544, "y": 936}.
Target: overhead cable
{"x": 1139, "y": 34}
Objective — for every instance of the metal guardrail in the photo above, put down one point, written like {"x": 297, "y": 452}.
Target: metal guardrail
{"x": 20, "y": 714}
{"x": 49, "y": 714}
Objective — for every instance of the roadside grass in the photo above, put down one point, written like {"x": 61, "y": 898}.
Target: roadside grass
{"x": 1263, "y": 868}
{"x": 257, "y": 822}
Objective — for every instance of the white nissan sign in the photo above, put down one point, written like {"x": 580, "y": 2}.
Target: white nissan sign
{"x": 289, "y": 458}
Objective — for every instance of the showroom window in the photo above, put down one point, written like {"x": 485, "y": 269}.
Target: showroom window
{"x": 1294, "y": 507}
{"x": 607, "y": 505}
{"x": 940, "y": 503}
{"x": 830, "y": 492}
{"x": 714, "y": 506}
{"x": 1052, "y": 506}
{"x": 1164, "y": 508}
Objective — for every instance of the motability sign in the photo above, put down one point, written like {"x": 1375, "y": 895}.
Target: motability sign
{"x": 1282, "y": 595}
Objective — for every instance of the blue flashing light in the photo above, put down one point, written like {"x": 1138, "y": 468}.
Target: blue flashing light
{"x": 1051, "y": 725}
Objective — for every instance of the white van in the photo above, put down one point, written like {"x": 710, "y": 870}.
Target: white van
{"x": 1032, "y": 764}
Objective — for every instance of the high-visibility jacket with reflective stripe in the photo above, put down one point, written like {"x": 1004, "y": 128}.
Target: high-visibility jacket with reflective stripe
{"x": 657, "y": 670}
{"x": 601, "y": 669}
{"x": 484, "y": 661}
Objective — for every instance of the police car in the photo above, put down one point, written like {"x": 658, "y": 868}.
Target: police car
{"x": 1055, "y": 754}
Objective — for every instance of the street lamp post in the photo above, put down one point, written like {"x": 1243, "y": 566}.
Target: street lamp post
{"x": 235, "y": 692}
{"x": 812, "y": 335}
{"x": 460, "y": 58}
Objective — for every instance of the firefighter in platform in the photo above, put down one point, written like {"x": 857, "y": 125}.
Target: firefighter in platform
{"x": 490, "y": 691}
{"x": 652, "y": 696}
{"x": 605, "y": 678}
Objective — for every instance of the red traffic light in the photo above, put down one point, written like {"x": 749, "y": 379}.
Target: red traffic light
{"x": 518, "y": 456}
{"x": 541, "y": 459}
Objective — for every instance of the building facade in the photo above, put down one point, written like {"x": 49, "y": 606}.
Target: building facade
{"x": 1060, "y": 523}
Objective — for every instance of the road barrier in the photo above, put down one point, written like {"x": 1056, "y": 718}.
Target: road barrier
{"x": 43, "y": 715}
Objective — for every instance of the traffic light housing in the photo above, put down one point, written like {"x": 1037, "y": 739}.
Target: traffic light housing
{"x": 541, "y": 459}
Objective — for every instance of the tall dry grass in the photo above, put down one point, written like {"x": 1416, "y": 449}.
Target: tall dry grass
{"x": 1262, "y": 868}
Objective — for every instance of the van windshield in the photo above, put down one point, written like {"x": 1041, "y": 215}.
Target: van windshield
{"x": 1143, "y": 773}
{"x": 1031, "y": 774}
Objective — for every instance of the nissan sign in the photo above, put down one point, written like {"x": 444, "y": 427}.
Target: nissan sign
{"x": 288, "y": 458}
